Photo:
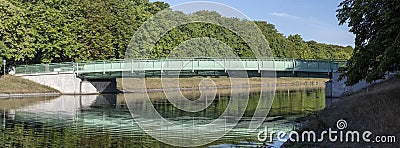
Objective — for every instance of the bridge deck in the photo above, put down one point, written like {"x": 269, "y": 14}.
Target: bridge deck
{"x": 108, "y": 67}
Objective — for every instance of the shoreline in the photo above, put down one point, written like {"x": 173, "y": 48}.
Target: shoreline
{"x": 16, "y": 87}
{"x": 277, "y": 87}
{"x": 156, "y": 84}
{"x": 155, "y": 90}
{"x": 374, "y": 109}
{"x": 28, "y": 95}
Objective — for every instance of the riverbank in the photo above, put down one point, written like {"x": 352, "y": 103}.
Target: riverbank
{"x": 11, "y": 86}
{"x": 374, "y": 109}
{"x": 155, "y": 84}
{"x": 15, "y": 86}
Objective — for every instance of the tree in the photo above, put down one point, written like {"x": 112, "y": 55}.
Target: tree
{"x": 2, "y": 48}
{"x": 376, "y": 24}
{"x": 1, "y": 63}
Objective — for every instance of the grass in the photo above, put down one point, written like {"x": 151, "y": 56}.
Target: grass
{"x": 155, "y": 83}
{"x": 376, "y": 109}
{"x": 12, "y": 84}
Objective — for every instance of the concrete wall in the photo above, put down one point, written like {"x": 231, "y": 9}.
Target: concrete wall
{"x": 336, "y": 88}
{"x": 68, "y": 83}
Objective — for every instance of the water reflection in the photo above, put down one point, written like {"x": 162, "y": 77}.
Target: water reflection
{"x": 105, "y": 121}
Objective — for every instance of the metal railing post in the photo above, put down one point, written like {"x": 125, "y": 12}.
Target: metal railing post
{"x": 132, "y": 66}
{"x": 284, "y": 64}
{"x": 192, "y": 64}
{"x": 292, "y": 65}
{"x": 104, "y": 67}
{"x": 225, "y": 64}
{"x": 77, "y": 68}
{"x": 111, "y": 65}
{"x": 162, "y": 62}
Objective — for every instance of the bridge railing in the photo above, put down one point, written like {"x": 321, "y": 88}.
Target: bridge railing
{"x": 187, "y": 64}
{"x": 207, "y": 64}
{"x": 100, "y": 66}
{"x": 168, "y": 64}
{"x": 45, "y": 68}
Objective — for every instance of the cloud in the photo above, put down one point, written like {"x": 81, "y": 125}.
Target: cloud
{"x": 303, "y": 19}
{"x": 285, "y": 15}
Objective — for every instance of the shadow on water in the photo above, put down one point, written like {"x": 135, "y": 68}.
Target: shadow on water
{"x": 105, "y": 120}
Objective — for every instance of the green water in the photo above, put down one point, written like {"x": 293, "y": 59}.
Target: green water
{"x": 105, "y": 120}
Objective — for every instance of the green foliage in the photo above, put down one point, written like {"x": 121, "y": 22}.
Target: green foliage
{"x": 198, "y": 33}
{"x": 3, "y": 48}
{"x": 44, "y": 31}
{"x": 376, "y": 24}
{"x": 293, "y": 46}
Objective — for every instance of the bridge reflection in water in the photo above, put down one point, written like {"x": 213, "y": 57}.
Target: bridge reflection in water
{"x": 106, "y": 121}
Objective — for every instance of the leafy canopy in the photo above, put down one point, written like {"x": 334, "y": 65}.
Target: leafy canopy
{"x": 376, "y": 24}
{"x": 45, "y": 31}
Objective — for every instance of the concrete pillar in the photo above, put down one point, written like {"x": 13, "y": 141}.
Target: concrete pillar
{"x": 337, "y": 88}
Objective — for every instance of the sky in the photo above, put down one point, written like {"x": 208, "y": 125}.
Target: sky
{"x": 312, "y": 19}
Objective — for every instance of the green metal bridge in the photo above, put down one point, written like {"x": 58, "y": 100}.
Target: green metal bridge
{"x": 184, "y": 67}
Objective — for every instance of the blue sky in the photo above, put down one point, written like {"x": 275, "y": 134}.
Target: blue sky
{"x": 312, "y": 19}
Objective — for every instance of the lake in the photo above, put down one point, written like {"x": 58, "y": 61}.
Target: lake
{"x": 106, "y": 120}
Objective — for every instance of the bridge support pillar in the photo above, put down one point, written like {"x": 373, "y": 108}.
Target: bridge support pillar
{"x": 105, "y": 86}
{"x": 69, "y": 83}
